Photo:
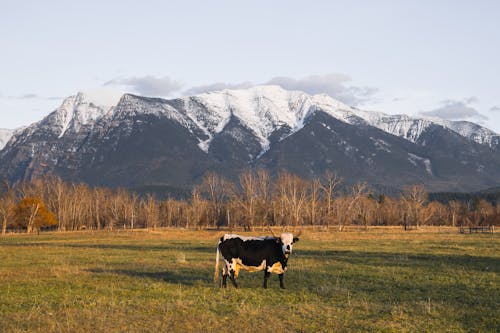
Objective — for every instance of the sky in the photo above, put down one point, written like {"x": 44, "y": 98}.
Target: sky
{"x": 419, "y": 57}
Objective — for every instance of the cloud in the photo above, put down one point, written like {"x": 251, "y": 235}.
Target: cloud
{"x": 334, "y": 85}
{"x": 148, "y": 85}
{"x": 471, "y": 100}
{"x": 217, "y": 86}
{"x": 24, "y": 96}
{"x": 28, "y": 96}
{"x": 495, "y": 109}
{"x": 456, "y": 110}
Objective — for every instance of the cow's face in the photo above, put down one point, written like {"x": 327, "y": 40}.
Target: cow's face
{"x": 287, "y": 241}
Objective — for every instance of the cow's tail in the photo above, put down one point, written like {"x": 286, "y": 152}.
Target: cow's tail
{"x": 217, "y": 271}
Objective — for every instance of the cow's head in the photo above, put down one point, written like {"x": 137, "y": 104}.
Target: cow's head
{"x": 286, "y": 239}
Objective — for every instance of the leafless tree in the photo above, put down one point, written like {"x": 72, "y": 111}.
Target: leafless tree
{"x": 246, "y": 197}
{"x": 292, "y": 194}
{"x": 314, "y": 190}
{"x": 264, "y": 198}
{"x": 346, "y": 205}
{"x": 414, "y": 197}
{"x": 215, "y": 188}
{"x": 7, "y": 199}
{"x": 328, "y": 186}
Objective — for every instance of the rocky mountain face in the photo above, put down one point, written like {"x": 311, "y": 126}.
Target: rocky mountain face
{"x": 156, "y": 142}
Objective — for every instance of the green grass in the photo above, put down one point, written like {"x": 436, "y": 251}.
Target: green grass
{"x": 379, "y": 280}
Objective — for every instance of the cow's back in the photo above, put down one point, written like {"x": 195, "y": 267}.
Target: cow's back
{"x": 251, "y": 250}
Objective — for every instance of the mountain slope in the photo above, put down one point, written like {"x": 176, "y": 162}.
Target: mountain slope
{"x": 151, "y": 141}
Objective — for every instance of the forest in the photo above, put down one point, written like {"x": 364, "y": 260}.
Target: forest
{"x": 255, "y": 200}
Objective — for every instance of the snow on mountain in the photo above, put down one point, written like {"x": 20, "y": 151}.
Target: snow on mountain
{"x": 5, "y": 135}
{"x": 82, "y": 109}
{"x": 261, "y": 109}
{"x": 136, "y": 140}
{"x": 266, "y": 108}
{"x": 411, "y": 128}
{"x": 425, "y": 161}
{"x": 469, "y": 130}
{"x": 401, "y": 125}
{"x": 131, "y": 105}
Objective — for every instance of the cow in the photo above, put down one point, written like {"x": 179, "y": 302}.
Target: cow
{"x": 267, "y": 253}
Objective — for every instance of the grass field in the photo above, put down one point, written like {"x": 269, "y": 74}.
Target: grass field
{"x": 433, "y": 280}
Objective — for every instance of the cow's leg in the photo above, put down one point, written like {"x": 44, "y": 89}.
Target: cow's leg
{"x": 266, "y": 276}
{"x": 224, "y": 276}
{"x": 282, "y": 286}
{"x": 233, "y": 278}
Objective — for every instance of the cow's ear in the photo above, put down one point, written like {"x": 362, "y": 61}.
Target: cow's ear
{"x": 295, "y": 239}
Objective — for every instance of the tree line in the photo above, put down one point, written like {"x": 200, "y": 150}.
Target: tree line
{"x": 255, "y": 200}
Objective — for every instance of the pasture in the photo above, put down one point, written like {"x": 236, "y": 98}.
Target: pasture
{"x": 383, "y": 279}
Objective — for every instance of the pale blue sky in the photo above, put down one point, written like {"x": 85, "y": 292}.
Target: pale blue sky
{"x": 441, "y": 57}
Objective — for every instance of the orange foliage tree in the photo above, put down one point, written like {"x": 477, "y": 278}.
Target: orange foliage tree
{"x": 31, "y": 213}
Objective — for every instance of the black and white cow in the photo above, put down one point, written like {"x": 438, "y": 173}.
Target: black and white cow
{"x": 268, "y": 253}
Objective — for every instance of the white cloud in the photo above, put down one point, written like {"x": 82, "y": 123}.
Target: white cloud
{"x": 217, "y": 86}
{"x": 471, "y": 100}
{"x": 335, "y": 85}
{"x": 147, "y": 85}
{"x": 456, "y": 110}
{"x": 28, "y": 96}
{"x": 495, "y": 109}
{"x": 24, "y": 96}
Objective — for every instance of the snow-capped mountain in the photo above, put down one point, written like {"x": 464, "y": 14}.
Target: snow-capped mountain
{"x": 472, "y": 131}
{"x": 80, "y": 110}
{"x": 265, "y": 108}
{"x": 75, "y": 112}
{"x": 134, "y": 140}
{"x": 410, "y": 128}
{"x": 262, "y": 109}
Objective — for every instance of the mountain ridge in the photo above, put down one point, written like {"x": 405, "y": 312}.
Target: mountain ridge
{"x": 231, "y": 130}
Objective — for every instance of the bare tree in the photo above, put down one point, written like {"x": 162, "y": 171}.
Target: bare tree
{"x": 328, "y": 186}
{"x": 414, "y": 197}
{"x": 264, "y": 196}
{"x": 151, "y": 211}
{"x": 314, "y": 187}
{"x": 7, "y": 199}
{"x": 198, "y": 207}
{"x": 247, "y": 197}
{"x": 454, "y": 208}
{"x": 346, "y": 206}
{"x": 293, "y": 195}
{"x": 366, "y": 208}
{"x": 215, "y": 188}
